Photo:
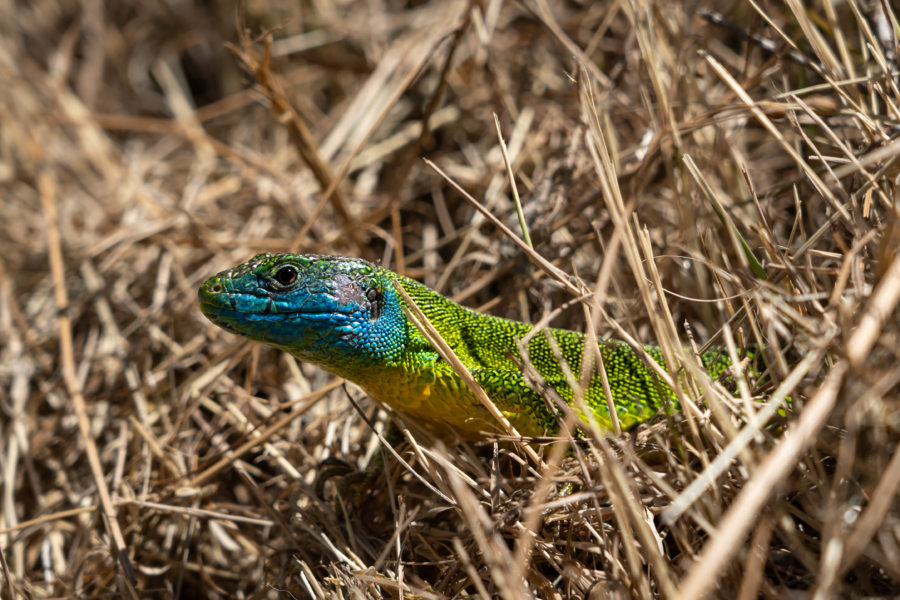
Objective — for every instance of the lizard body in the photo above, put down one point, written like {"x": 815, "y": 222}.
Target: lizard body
{"x": 345, "y": 315}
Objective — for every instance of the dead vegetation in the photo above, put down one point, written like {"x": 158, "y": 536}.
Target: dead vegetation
{"x": 657, "y": 151}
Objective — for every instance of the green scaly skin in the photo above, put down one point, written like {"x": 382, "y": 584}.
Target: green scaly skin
{"x": 345, "y": 315}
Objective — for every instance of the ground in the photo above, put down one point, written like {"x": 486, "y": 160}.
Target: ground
{"x": 721, "y": 174}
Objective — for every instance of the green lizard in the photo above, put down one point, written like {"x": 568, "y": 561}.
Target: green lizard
{"x": 345, "y": 315}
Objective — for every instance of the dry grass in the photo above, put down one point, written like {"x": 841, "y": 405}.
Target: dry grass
{"x": 146, "y": 453}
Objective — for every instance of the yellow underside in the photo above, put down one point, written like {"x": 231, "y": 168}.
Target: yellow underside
{"x": 443, "y": 407}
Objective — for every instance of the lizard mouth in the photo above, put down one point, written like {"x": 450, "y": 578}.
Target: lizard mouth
{"x": 245, "y": 323}
{"x": 219, "y": 304}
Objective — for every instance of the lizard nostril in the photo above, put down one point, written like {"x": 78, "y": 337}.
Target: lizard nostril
{"x": 215, "y": 288}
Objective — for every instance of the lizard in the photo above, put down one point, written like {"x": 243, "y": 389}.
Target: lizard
{"x": 346, "y": 316}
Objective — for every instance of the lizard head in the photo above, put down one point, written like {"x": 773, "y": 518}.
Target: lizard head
{"x": 340, "y": 313}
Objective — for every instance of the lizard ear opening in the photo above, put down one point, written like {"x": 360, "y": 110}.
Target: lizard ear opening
{"x": 373, "y": 295}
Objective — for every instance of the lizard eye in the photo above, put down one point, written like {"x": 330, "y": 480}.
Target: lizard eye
{"x": 286, "y": 275}
{"x": 372, "y": 295}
